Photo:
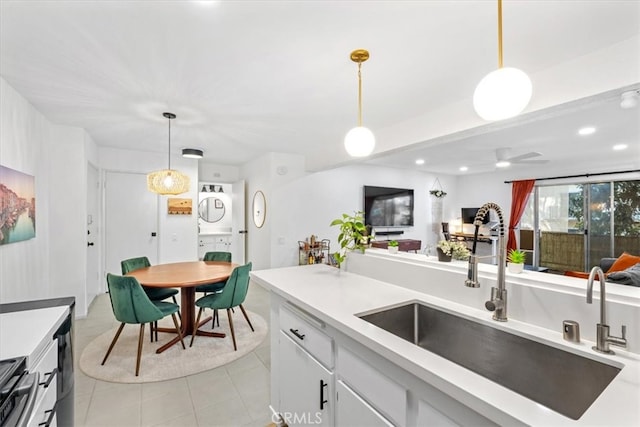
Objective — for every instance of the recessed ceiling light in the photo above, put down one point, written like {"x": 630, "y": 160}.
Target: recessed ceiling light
{"x": 620, "y": 147}
{"x": 464, "y": 168}
{"x": 420, "y": 162}
{"x": 629, "y": 99}
{"x": 587, "y": 130}
{"x": 503, "y": 164}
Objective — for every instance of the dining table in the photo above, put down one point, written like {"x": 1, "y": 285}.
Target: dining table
{"x": 186, "y": 276}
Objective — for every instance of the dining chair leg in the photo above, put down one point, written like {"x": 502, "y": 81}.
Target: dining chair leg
{"x": 233, "y": 334}
{"x": 247, "y": 317}
{"x": 150, "y": 331}
{"x": 113, "y": 342}
{"x": 140, "y": 339}
{"x": 155, "y": 328}
{"x": 217, "y": 318}
{"x": 195, "y": 327}
{"x": 175, "y": 322}
{"x": 175, "y": 301}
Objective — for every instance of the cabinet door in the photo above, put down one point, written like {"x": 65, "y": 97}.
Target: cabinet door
{"x": 353, "y": 411}
{"x": 430, "y": 416}
{"x": 306, "y": 387}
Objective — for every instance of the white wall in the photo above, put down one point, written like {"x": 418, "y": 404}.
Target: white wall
{"x": 24, "y": 133}
{"x": 178, "y": 234}
{"x": 307, "y": 205}
{"x": 53, "y": 264}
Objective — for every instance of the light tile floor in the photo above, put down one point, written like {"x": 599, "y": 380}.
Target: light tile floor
{"x": 236, "y": 394}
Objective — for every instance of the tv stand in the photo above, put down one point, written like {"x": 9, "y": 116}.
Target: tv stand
{"x": 389, "y": 233}
{"x": 404, "y": 245}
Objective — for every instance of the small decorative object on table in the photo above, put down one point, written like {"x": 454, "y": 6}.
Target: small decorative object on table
{"x": 393, "y": 247}
{"x": 515, "y": 260}
{"x": 448, "y": 250}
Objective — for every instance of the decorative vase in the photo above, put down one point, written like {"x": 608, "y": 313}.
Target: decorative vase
{"x": 515, "y": 268}
{"x": 393, "y": 249}
{"x": 442, "y": 256}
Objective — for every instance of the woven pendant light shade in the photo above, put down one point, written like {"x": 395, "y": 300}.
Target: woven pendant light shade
{"x": 167, "y": 182}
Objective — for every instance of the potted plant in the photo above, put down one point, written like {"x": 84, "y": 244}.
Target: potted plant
{"x": 448, "y": 250}
{"x": 515, "y": 259}
{"x": 393, "y": 247}
{"x": 352, "y": 235}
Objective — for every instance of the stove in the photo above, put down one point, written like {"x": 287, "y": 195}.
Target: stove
{"x": 18, "y": 390}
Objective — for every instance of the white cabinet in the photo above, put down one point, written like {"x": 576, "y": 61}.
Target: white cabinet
{"x": 430, "y": 416}
{"x": 213, "y": 243}
{"x": 306, "y": 387}
{"x": 47, "y": 367}
{"x": 353, "y": 411}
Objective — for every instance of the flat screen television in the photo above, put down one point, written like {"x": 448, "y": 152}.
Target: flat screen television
{"x": 388, "y": 207}
{"x": 469, "y": 214}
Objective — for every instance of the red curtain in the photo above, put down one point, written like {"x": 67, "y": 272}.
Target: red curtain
{"x": 520, "y": 191}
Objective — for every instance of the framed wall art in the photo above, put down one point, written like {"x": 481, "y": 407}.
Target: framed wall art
{"x": 17, "y": 206}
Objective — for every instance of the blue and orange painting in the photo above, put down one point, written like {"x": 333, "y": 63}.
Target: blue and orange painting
{"x": 17, "y": 206}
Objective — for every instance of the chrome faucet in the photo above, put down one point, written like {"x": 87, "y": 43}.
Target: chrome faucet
{"x": 603, "y": 339}
{"x": 498, "y": 301}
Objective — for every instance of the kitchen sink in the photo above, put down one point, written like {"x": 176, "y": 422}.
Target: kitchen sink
{"x": 560, "y": 380}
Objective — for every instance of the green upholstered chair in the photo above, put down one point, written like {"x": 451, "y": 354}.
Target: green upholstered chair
{"x": 132, "y": 305}
{"x": 154, "y": 294}
{"x": 217, "y": 286}
{"x": 232, "y": 295}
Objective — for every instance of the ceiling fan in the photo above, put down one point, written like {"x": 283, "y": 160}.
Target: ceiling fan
{"x": 504, "y": 157}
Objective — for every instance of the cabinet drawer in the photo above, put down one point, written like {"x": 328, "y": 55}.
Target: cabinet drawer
{"x": 378, "y": 390}
{"x": 352, "y": 411}
{"x": 44, "y": 411}
{"x": 302, "y": 331}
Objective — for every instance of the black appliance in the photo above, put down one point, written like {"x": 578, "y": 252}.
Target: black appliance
{"x": 18, "y": 391}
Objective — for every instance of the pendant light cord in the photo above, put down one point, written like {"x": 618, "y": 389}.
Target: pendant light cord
{"x": 499, "y": 33}
{"x": 169, "y": 118}
{"x": 359, "y": 94}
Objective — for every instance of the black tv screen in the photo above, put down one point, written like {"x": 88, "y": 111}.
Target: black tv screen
{"x": 388, "y": 207}
{"x": 469, "y": 214}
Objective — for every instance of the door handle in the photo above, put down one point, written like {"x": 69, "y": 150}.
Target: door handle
{"x": 89, "y": 243}
{"x": 242, "y": 232}
{"x": 322, "y": 399}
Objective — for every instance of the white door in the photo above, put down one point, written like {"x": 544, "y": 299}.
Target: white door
{"x": 238, "y": 226}
{"x": 131, "y": 220}
{"x": 306, "y": 387}
{"x": 94, "y": 284}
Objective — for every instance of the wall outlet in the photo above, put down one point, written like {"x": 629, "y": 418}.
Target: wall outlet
{"x": 174, "y": 237}
{"x": 281, "y": 240}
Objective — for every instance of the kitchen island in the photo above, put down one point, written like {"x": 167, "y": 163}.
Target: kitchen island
{"x": 334, "y": 368}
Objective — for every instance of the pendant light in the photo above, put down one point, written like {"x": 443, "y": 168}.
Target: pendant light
{"x": 505, "y": 92}
{"x": 168, "y": 181}
{"x": 359, "y": 141}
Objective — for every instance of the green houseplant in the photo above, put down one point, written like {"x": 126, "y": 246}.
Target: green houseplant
{"x": 392, "y": 247}
{"x": 353, "y": 235}
{"x": 516, "y": 259}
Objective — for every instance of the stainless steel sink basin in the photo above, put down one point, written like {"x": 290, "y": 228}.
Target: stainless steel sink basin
{"x": 562, "y": 381}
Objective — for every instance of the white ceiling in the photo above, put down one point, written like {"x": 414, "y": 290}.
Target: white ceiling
{"x": 250, "y": 77}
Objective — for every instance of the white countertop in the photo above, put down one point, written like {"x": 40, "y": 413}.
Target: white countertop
{"x": 26, "y": 333}
{"x": 335, "y": 296}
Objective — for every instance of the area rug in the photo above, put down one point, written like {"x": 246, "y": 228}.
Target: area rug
{"x": 206, "y": 353}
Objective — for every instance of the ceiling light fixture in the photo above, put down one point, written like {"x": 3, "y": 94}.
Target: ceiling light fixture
{"x": 505, "y": 92}
{"x": 420, "y": 162}
{"x": 588, "y": 130}
{"x": 629, "y": 99}
{"x": 168, "y": 181}
{"x": 463, "y": 168}
{"x": 503, "y": 164}
{"x": 359, "y": 141}
{"x": 620, "y": 147}
{"x": 192, "y": 153}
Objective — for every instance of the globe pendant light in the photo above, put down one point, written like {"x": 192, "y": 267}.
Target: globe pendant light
{"x": 168, "y": 181}
{"x": 359, "y": 141}
{"x": 505, "y": 92}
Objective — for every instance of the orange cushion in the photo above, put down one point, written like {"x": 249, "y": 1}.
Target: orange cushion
{"x": 580, "y": 274}
{"x": 623, "y": 262}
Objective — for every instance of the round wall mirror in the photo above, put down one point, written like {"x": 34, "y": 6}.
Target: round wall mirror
{"x": 211, "y": 209}
{"x": 259, "y": 209}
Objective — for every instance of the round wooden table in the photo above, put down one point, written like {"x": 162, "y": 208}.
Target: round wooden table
{"x": 186, "y": 276}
